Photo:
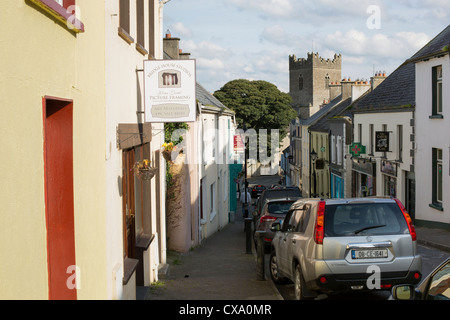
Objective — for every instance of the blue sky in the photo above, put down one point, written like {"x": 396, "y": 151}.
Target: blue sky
{"x": 252, "y": 39}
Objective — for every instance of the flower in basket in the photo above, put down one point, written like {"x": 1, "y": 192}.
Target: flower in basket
{"x": 167, "y": 150}
{"x": 168, "y": 146}
{"x": 143, "y": 170}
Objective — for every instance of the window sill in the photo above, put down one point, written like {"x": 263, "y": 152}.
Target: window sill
{"x": 129, "y": 266}
{"x": 141, "y": 49}
{"x": 437, "y": 116}
{"x": 436, "y": 206}
{"x": 125, "y": 36}
{"x": 61, "y": 14}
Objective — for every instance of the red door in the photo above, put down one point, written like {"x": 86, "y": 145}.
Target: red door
{"x": 59, "y": 201}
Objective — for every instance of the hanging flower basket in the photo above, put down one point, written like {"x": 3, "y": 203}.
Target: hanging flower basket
{"x": 167, "y": 149}
{"x": 143, "y": 170}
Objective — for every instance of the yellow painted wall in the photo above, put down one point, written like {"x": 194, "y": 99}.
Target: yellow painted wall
{"x": 40, "y": 58}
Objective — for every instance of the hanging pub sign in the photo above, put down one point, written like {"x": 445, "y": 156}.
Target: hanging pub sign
{"x": 382, "y": 141}
{"x": 169, "y": 87}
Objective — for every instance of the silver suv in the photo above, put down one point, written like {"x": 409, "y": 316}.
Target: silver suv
{"x": 331, "y": 246}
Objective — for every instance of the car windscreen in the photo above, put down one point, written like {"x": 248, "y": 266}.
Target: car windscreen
{"x": 279, "y": 207}
{"x": 278, "y": 193}
{"x": 364, "y": 219}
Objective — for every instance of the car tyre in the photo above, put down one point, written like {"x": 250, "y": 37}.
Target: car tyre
{"x": 274, "y": 269}
{"x": 299, "y": 284}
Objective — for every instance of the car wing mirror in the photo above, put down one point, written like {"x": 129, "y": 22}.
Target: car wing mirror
{"x": 275, "y": 227}
{"x": 403, "y": 292}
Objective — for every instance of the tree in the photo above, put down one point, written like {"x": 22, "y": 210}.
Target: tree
{"x": 258, "y": 105}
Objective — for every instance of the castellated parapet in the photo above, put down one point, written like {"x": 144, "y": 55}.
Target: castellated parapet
{"x": 315, "y": 60}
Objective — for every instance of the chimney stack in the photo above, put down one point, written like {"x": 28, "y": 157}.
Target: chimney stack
{"x": 377, "y": 79}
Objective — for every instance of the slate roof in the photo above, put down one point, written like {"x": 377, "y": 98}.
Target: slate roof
{"x": 322, "y": 112}
{"x": 435, "y": 46}
{"x": 323, "y": 124}
{"x": 398, "y": 91}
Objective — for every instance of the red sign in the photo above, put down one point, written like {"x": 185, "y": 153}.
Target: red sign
{"x": 238, "y": 144}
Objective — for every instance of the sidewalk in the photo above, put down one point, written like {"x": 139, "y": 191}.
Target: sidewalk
{"x": 436, "y": 238}
{"x": 219, "y": 269}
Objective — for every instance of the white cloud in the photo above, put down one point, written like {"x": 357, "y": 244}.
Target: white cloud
{"x": 212, "y": 64}
{"x": 400, "y": 45}
{"x": 180, "y": 30}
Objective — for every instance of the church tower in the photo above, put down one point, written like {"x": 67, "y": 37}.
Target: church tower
{"x": 310, "y": 82}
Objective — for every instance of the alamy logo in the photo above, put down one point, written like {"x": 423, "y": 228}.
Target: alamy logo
{"x": 74, "y": 20}
{"x": 374, "y": 20}
{"x": 374, "y": 280}
{"x": 74, "y": 280}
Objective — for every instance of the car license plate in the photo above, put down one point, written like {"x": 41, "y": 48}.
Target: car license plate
{"x": 369, "y": 254}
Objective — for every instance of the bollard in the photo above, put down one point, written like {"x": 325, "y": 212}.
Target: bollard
{"x": 248, "y": 235}
{"x": 260, "y": 262}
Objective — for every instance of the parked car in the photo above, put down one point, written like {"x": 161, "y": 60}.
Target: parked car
{"x": 257, "y": 190}
{"x": 278, "y": 192}
{"x": 331, "y": 246}
{"x": 272, "y": 211}
{"x": 435, "y": 287}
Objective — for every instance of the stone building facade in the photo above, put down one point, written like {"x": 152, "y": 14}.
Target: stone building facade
{"x": 311, "y": 80}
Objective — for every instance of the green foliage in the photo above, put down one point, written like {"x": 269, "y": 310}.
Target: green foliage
{"x": 169, "y": 128}
{"x": 258, "y": 105}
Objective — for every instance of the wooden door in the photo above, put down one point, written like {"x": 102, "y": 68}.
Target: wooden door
{"x": 129, "y": 203}
{"x": 59, "y": 198}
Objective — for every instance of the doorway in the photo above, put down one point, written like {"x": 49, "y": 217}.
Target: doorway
{"x": 59, "y": 197}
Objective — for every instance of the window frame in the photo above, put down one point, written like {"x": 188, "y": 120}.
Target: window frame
{"x": 437, "y": 179}
{"x": 437, "y": 102}
{"x": 125, "y": 21}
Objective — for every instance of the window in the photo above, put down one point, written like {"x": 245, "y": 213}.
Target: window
{"x": 300, "y": 82}
{"x": 140, "y": 23}
{"x": 152, "y": 27}
{"x": 438, "y": 289}
{"x": 124, "y": 20}
{"x": 63, "y": 11}
{"x": 360, "y": 132}
{"x": 339, "y": 152}
{"x": 400, "y": 143}
{"x": 369, "y": 219}
{"x": 327, "y": 81}
{"x": 437, "y": 178}
{"x": 437, "y": 92}
{"x": 372, "y": 139}
{"x": 213, "y": 197}
{"x": 333, "y": 149}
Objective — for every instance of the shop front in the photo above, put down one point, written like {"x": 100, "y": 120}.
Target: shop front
{"x": 389, "y": 175}
{"x": 363, "y": 178}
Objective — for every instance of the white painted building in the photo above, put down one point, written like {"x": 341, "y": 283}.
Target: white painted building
{"x": 433, "y": 132}
{"x": 135, "y": 225}
{"x": 216, "y": 139}
{"x": 384, "y": 124}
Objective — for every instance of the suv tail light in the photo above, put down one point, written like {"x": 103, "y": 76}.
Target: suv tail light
{"x": 408, "y": 219}
{"x": 319, "y": 228}
{"x": 267, "y": 219}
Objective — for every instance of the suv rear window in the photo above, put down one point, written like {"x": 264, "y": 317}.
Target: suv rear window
{"x": 364, "y": 219}
{"x": 279, "y": 207}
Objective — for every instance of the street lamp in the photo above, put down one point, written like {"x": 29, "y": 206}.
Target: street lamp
{"x": 313, "y": 155}
{"x": 245, "y": 176}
